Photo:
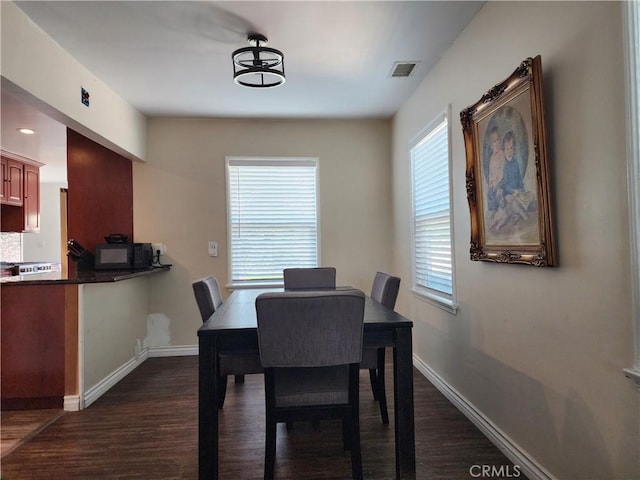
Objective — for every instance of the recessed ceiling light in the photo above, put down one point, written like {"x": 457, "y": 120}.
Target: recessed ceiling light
{"x": 26, "y": 131}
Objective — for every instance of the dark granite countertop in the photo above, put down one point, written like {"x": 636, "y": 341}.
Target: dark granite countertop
{"x": 91, "y": 276}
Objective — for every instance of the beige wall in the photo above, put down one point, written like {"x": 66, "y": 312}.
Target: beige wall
{"x": 180, "y": 200}
{"x": 539, "y": 352}
{"x": 113, "y": 321}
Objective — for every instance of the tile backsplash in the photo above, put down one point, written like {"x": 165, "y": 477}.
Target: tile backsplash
{"x": 10, "y": 247}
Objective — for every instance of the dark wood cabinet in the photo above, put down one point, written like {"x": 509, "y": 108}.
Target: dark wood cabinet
{"x": 12, "y": 182}
{"x": 20, "y": 198}
{"x": 5, "y": 176}
{"x": 31, "y": 205}
{"x": 32, "y": 341}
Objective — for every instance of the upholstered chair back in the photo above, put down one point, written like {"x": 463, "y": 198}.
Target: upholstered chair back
{"x": 307, "y": 278}
{"x": 310, "y": 329}
{"x": 385, "y": 289}
{"x": 208, "y": 297}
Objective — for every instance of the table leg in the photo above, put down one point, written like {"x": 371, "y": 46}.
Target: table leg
{"x": 403, "y": 401}
{"x": 207, "y": 410}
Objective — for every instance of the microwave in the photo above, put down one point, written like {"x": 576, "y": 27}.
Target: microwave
{"x": 123, "y": 256}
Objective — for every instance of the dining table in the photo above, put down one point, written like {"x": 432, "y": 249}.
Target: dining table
{"x": 233, "y": 326}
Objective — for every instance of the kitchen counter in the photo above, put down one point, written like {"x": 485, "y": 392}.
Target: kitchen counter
{"x": 81, "y": 277}
{"x": 65, "y": 341}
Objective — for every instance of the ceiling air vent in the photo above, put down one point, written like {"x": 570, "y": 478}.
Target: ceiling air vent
{"x": 403, "y": 69}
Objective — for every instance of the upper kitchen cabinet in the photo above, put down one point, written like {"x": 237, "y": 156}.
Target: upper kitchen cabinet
{"x": 20, "y": 194}
{"x": 12, "y": 177}
{"x": 31, "y": 205}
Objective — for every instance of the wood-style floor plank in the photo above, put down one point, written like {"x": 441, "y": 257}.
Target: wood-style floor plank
{"x": 18, "y": 427}
{"x": 146, "y": 427}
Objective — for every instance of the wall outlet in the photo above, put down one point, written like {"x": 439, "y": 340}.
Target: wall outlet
{"x": 159, "y": 246}
{"x": 213, "y": 249}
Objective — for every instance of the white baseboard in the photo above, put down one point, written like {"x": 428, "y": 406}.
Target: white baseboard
{"x": 71, "y": 403}
{"x": 506, "y": 445}
{"x": 109, "y": 381}
{"x": 173, "y": 351}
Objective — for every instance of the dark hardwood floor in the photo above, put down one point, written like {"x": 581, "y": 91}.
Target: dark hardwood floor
{"x": 146, "y": 427}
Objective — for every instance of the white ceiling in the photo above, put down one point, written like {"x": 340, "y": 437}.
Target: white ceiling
{"x": 169, "y": 58}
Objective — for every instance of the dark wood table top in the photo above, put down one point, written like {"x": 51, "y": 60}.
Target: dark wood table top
{"x": 238, "y": 312}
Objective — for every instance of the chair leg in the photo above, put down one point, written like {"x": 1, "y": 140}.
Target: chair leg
{"x": 346, "y": 432}
{"x": 380, "y": 387}
{"x": 239, "y": 379}
{"x": 373, "y": 378}
{"x": 270, "y": 450}
{"x": 222, "y": 390}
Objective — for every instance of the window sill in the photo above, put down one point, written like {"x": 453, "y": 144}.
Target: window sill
{"x": 446, "y": 304}
{"x": 248, "y": 285}
{"x": 633, "y": 374}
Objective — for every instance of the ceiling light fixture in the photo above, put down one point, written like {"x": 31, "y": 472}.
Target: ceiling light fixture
{"x": 258, "y": 66}
{"x": 26, "y": 131}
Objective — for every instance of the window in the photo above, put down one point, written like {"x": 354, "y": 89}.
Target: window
{"x": 632, "y": 43}
{"x": 272, "y": 217}
{"x": 432, "y": 225}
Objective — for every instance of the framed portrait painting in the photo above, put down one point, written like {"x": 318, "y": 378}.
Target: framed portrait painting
{"x": 507, "y": 171}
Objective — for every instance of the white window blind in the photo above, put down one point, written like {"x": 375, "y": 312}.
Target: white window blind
{"x": 433, "y": 268}
{"x": 272, "y": 216}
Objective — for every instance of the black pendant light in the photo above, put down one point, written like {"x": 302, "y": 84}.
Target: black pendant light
{"x": 258, "y": 66}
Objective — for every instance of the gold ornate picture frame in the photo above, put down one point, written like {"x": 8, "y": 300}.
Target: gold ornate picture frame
{"x": 507, "y": 173}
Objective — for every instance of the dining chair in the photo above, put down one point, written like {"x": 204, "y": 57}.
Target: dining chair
{"x": 310, "y": 346}
{"x": 385, "y": 291}
{"x": 238, "y": 363}
{"x": 307, "y": 278}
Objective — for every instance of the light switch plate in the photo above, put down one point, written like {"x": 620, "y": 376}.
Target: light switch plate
{"x": 213, "y": 249}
